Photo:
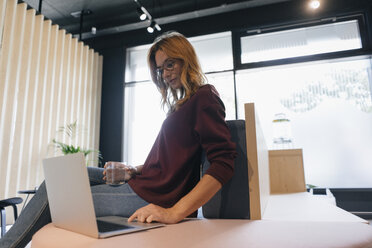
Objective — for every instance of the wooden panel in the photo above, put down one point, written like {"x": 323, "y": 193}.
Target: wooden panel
{"x": 97, "y": 94}
{"x": 7, "y": 44}
{"x": 84, "y": 82}
{"x": 83, "y": 100}
{"x": 6, "y": 48}
{"x": 258, "y": 164}
{"x": 38, "y": 110}
{"x": 30, "y": 106}
{"x": 32, "y": 102}
{"x": 65, "y": 70}
{"x": 76, "y": 80}
{"x": 2, "y": 19}
{"x": 8, "y": 114}
{"x": 76, "y": 96}
{"x": 94, "y": 105}
{"x": 90, "y": 99}
{"x": 9, "y": 86}
{"x": 71, "y": 81}
{"x": 59, "y": 80}
{"x": 52, "y": 80}
{"x": 48, "y": 82}
{"x": 38, "y": 75}
{"x": 5, "y": 59}
{"x": 286, "y": 171}
{"x": 22, "y": 98}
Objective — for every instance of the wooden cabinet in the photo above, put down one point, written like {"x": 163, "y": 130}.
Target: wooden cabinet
{"x": 286, "y": 171}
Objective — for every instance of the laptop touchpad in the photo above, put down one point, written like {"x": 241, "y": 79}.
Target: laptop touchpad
{"x": 104, "y": 226}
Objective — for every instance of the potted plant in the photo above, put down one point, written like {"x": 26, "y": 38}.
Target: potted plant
{"x": 71, "y": 131}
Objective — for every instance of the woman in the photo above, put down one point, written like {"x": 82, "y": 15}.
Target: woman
{"x": 195, "y": 123}
{"x": 169, "y": 179}
{"x": 167, "y": 187}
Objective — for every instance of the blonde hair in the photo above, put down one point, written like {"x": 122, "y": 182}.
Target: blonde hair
{"x": 176, "y": 46}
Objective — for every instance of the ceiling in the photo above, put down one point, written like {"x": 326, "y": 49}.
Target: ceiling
{"x": 114, "y": 16}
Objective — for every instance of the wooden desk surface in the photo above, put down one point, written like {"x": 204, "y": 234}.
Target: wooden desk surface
{"x": 221, "y": 233}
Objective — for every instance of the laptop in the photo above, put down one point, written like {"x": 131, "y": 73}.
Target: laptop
{"x": 71, "y": 203}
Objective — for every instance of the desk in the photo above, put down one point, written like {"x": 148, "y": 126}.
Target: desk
{"x": 202, "y": 233}
{"x": 304, "y": 206}
{"x": 286, "y": 171}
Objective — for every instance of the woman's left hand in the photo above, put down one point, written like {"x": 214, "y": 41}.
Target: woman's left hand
{"x": 153, "y": 212}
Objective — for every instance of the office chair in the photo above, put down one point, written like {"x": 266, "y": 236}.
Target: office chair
{"x": 5, "y": 203}
{"x": 232, "y": 201}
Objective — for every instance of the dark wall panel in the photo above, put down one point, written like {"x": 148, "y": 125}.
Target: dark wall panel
{"x": 112, "y": 104}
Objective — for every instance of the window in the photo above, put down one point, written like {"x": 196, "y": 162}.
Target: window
{"x": 329, "y": 106}
{"x": 327, "y": 99}
{"x": 326, "y": 38}
{"x": 136, "y": 68}
{"x": 215, "y": 55}
{"x": 214, "y": 51}
{"x": 142, "y": 120}
{"x": 224, "y": 83}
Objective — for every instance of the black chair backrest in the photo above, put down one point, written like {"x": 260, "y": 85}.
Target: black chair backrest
{"x": 232, "y": 201}
{"x": 5, "y": 203}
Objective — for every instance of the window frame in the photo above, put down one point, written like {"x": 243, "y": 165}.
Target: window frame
{"x": 237, "y": 35}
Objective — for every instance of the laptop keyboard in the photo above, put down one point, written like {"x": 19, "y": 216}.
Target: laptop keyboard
{"x": 104, "y": 226}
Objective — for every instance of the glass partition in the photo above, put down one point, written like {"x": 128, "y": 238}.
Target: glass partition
{"x": 329, "y": 106}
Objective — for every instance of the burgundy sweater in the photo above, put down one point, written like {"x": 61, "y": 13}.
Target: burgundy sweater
{"x": 172, "y": 168}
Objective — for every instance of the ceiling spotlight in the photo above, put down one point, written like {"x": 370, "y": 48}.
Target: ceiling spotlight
{"x": 143, "y": 17}
{"x": 78, "y": 14}
{"x": 141, "y": 14}
{"x": 150, "y": 28}
{"x": 157, "y": 27}
{"x": 144, "y": 14}
{"x": 314, "y": 4}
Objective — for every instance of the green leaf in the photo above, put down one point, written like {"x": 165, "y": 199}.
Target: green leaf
{"x": 70, "y": 131}
{"x": 310, "y": 186}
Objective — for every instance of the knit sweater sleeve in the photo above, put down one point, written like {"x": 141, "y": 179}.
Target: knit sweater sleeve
{"x": 215, "y": 138}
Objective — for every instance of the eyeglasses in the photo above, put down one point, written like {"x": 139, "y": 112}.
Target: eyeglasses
{"x": 168, "y": 65}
